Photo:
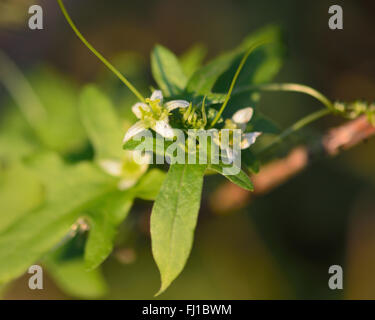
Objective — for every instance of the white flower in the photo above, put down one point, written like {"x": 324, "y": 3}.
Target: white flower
{"x": 154, "y": 114}
{"x": 126, "y": 169}
{"x": 242, "y": 117}
{"x": 239, "y": 121}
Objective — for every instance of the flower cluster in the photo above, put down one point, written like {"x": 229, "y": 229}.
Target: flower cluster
{"x": 356, "y": 108}
{"x": 239, "y": 120}
{"x": 155, "y": 115}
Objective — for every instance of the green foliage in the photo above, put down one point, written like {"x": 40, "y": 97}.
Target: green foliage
{"x": 101, "y": 123}
{"x": 31, "y": 193}
{"x": 262, "y": 123}
{"x": 175, "y": 209}
{"x": 73, "y": 278}
{"x": 104, "y": 220}
{"x": 167, "y": 71}
{"x": 56, "y": 194}
{"x": 70, "y": 190}
{"x": 173, "y": 219}
{"x": 192, "y": 59}
{"x": 59, "y": 196}
{"x": 149, "y": 186}
{"x": 57, "y": 128}
{"x": 260, "y": 67}
{"x": 241, "y": 179}
{"x": 354, "y": 109}
{"x": 105, "y": 217}
{"x": 60, "y": 130}
{"x": 16, "y": 138}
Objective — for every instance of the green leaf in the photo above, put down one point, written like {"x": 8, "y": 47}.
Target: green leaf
{"x": 241, "y": 179}
{"x": 174, "y": 218}
{"x": 101, "y": 123}
{"x": 17, "y": 182}
{"x": 149, "y": 186}
{"x": 159, "y": 145}
{"x": 211, "y": 98}
{"x": 192, "y": 59}
{"x": 203, "y": 80}
{"x": 167, "y": 71}
{"x": 16, "y": 137}
{"x": 262, "y": 123}
{"x": 70, "y": 191}
{"x": 105, "y": 218}
{"x": 261, "y": 65}
{"x": 133, "y": 143}
{"x": 61, "y": 130}
{"x": 72, "y": 277}
{"x": 14, "y": 146}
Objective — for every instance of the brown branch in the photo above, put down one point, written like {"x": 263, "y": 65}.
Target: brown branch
{"x": 272, "y": 175}
{"x": 348, "y": 135}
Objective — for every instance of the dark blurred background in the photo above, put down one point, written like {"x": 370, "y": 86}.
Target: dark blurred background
{"x": 282, "y": 244}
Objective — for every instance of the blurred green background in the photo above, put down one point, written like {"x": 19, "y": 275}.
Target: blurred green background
{"x": 279, "y": 245}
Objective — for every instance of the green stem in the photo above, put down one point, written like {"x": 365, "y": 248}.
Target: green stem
{"x": 295, "y": 127}
{"x": 97, "y": 54}
{"x": 204, "y": 115}
{"x": 289, "y": 87}
{"x": 242, "y": 63}
{"x": 293, "y": 87}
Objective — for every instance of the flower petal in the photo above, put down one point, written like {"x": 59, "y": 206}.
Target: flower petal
{"x": 243, "y": 116}
{"x": 133, "y": 130}
{"x": 230, "y": 155}
{"x": 174, "y": 104}
{"x": 248, "y": 139}
{"x": 112, "y": 167}
{"x": 164, "y": 129}
{"x": 137, "y": 109}
{"x": 157, "y": 94}
{"x": 126, "y": 183}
